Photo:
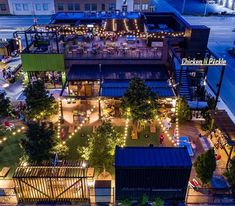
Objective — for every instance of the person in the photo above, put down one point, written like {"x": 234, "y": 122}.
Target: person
{"x": 161, "y": 138}
{"x": 193, "y": 144}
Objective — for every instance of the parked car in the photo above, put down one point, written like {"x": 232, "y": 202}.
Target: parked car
{"x": 6, "y": 59}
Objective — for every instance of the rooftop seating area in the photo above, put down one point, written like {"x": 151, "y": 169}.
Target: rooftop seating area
{"x": 99, "y": 35}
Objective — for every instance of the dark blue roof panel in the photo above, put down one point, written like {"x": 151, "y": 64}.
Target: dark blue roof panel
{"x": 118, "y": 88}
{"x": 119, "y": 91}
{"x": 152, "y": 157}
{"x": 83, "y": 72}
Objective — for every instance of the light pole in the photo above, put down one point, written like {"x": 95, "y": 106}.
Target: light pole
{"x": 183, "y": 6}
{"x": 205, "y": 11}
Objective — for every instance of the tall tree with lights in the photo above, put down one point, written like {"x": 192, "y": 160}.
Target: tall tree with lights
{"x": 101, "y": 146}
{"x": 39, "y": 141}
{"x": 40, "y": 104}
{"x": 139, "y": 102}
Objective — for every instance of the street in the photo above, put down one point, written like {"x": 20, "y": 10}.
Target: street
{"x": 221, "y": 39}
{"x": 196, "y": 7}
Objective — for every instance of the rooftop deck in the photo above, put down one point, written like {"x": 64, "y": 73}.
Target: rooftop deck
{"x": 99, "y": 36}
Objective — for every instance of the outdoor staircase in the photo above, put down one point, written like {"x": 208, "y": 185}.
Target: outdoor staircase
{"x": 184, "y": 87}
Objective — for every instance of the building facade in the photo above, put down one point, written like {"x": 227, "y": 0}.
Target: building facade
{"x": 4, "y": 7}
{"x": 106, "y": 5}
{"x": 49, "y": 7}
{"x": 227, "y": 3}
{"x": 80, "y": 5}
{"x": 29, "y": 7}
{"x": 134, "y": 5}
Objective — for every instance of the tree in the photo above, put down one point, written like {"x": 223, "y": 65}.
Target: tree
{"x": 101, "y": 146}
{"x": 60, "y": 148}
{"x": 205, "y": 165}
{"x": 208, "y": 120}
{"x": 39, "y": 141}
{"x": 4, "y": 105}
{"x": 144, "y": 199}
{"x": 184, "y": 112}
{"x": 230, "y": 173}
{"x": 39, "y": 103}
{"x": 139, "y": 101}
{"x": 211, "y": 103}
{"x": 206, "y": 113}
{"x": 158, "y": 202}
{"x": 126, "y": 202}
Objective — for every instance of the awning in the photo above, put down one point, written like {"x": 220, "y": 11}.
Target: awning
{"x": 118, "y": 88}
{"x": 83, "y": 72}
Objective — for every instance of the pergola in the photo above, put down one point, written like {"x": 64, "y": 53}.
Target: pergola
{"x": 65, "y": 182}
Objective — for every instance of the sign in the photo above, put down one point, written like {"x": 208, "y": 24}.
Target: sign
{"x": 203, "y": 62}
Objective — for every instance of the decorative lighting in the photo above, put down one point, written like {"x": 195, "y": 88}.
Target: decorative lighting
{"x": 125, "y": 132}
{"x": 177, "y": 121}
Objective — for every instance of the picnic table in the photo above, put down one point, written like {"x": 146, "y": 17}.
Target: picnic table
{"x": 4, "y": 171}
{"x": 134, "y": 134}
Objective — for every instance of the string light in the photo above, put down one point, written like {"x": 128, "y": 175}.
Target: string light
{"x": 113, "y": 24}
{"x": 164, "y": 129}
{"x": 125, "y": 132}
{"x": 19, "y": 130}
{"x": 82, "y": 123}
{"x": 125, "y": 25}
{"x": 177, "y": 121}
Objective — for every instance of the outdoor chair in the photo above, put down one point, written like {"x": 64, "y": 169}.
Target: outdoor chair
{"x": 194, "y": 184}
{"x": 9, "y": 125}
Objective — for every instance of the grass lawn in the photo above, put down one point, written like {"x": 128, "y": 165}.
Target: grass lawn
{"x": 11, "y": 152}
{"x": 78, "y": 140}
{"x": 145, "y": 137}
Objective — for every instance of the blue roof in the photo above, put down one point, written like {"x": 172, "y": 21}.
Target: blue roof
{"x": 83, "y": 72}
{"x": 120, "y": 91}
{"x": 118, "y": 88}
{"x": 152, "y": 157}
